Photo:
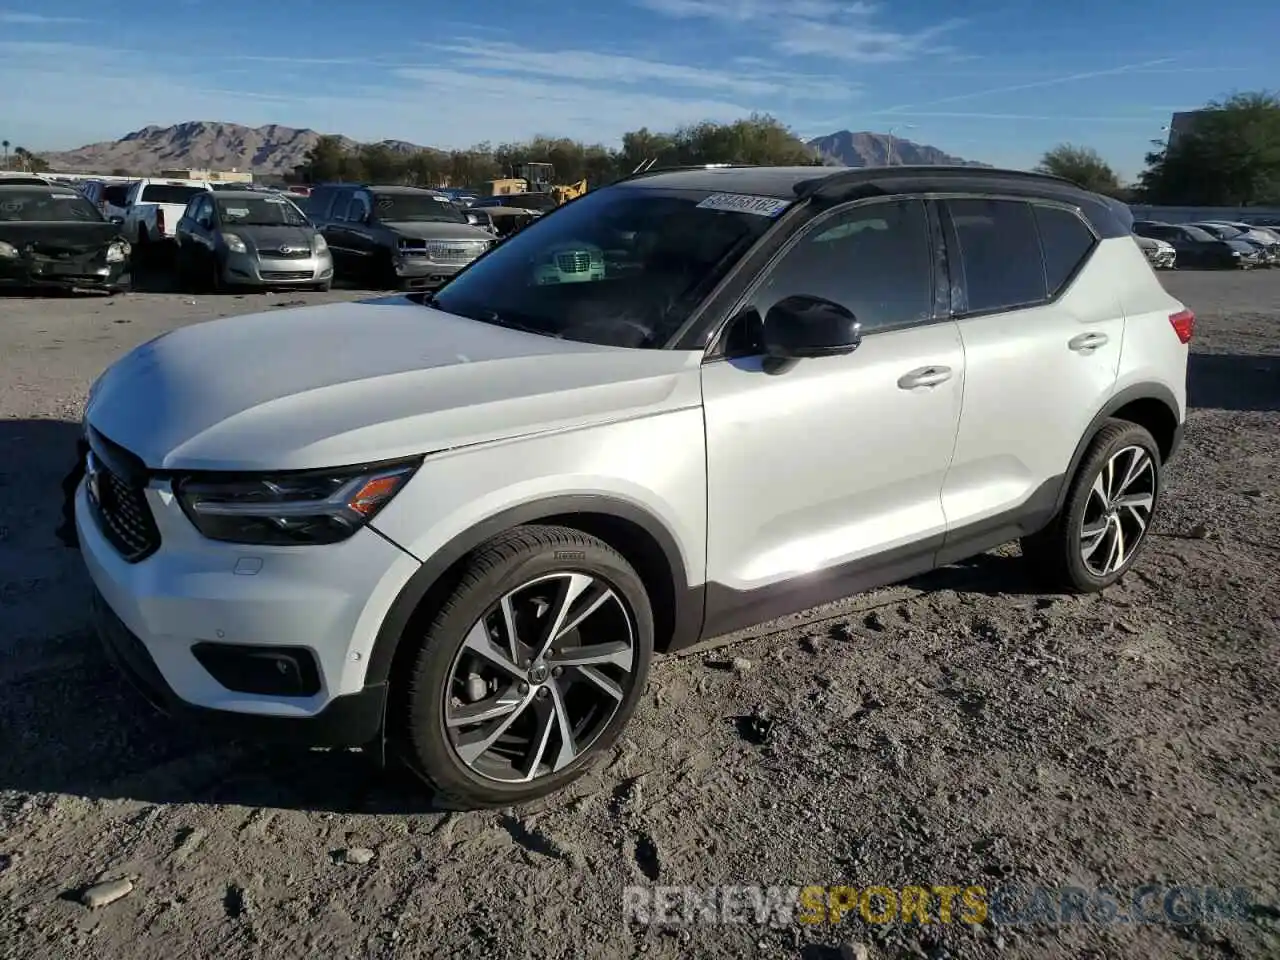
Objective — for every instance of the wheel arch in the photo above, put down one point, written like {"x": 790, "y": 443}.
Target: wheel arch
{"x": 1151, "y": 406}
{"x": 643, "y": 539}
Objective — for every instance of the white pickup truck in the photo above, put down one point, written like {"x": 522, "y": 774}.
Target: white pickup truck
{"x": 154, "y": 207}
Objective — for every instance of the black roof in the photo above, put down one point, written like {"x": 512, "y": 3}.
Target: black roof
{"x": 51, "y": 187}
{"x": 391, "y": 188}
{"x": 244, "y": 194}
{"x": 837, "y": 184}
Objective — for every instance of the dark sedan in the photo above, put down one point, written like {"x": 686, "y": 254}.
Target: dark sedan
{"x": 1197, "y": 248}
{"x": 53, "y": 237}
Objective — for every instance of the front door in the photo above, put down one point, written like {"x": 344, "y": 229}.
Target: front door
{"x": 825, "y": 476}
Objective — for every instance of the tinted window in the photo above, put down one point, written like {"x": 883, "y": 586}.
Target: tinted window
{"x": 34, "y": 205}
{"x": 999, "y": 254}
{"x": 1065, "y": 241}
{"x": 115, "y": 195}
{"x": 168, "y": 193}
{"x": 620, "y": 266}
{"x": 416, "y": 208}
{"x": 874, "y": 259}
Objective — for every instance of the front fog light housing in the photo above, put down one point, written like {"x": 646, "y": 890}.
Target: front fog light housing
{"x": 291, "y": 509}
{"x": 117, "y": 252}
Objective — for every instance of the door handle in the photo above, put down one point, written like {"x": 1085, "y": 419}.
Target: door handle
{"x": 924, "y": 377}
{"x": 1087, "y": 341}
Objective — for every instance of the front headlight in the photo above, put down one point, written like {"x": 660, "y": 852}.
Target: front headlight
{"x": 234, "y": 243}
{"x": 307, "y": 507}
{"x": 8, "y": 250}
{"x": 117, "y": 252}
{"x": 319, "y": 244}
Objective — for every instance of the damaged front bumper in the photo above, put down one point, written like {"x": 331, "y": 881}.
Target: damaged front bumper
{"x": 91, "y": 272}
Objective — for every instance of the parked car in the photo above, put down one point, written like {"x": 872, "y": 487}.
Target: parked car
{"x": 460, "y": 524}
{"x": 243, "y": 238}
{"x": 1236, "y": 235}
{"x": 395, "y": 237}
{"x": 53, "y": 237}
{"x": 111, "y": 198}
{"x": 1199, "y": 248}
{"x": 1159, "y": 253}
{"x": 153, "y": 209}
{"x": 8, "y": 179}
{"x": 1266, "y": 241}
{"x": 540, "y": 202}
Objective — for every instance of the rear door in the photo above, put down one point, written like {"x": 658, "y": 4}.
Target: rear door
{"x": 1042, "y": 349}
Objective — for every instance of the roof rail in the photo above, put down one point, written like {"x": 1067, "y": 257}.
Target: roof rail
{"x": 837, "y": 182}
{"x": 650, "y": 171}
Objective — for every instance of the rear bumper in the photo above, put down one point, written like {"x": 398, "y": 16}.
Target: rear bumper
{"x": 354, "y": 720}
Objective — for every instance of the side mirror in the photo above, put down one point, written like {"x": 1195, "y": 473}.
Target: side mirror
{"x": 118, "y": 221}
{"x": 804, "y": 326}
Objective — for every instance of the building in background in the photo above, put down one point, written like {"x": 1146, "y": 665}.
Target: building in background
{"x": 1183, "y": 124}
{"x": 215, "y": 176}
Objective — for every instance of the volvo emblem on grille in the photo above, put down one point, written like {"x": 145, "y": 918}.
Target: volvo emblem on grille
{"x": 91, "y": 481}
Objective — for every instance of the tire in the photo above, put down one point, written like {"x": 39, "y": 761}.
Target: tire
{"x": 528, "y": 564}
{"x": 1057, "y": 552}
{"x": 322, "y": 287}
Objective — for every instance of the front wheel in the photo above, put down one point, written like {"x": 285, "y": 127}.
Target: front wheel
{"x": 1110, "y": 506}
{"x": 530, "y": 670}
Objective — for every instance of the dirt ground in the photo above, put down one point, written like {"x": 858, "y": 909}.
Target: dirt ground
{"x": 960, "y": 729}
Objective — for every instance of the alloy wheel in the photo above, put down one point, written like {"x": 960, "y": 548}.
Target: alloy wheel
{"x": 1118, "y": 511}
{"x": 539, "y": 677}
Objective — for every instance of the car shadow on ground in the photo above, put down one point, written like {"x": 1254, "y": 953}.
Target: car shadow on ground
{"x": 1229, "y": 381}
{"x": 70, "y": 724}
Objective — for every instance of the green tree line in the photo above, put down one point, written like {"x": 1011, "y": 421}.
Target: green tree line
{"x": 1229, "y": 158}
{"x": 758, "y": 139}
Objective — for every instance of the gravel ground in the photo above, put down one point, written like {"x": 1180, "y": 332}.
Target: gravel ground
{"x": 960, "y": 729}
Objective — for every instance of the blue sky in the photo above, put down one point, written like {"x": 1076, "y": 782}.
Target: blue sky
{"x": 993, "y": 80}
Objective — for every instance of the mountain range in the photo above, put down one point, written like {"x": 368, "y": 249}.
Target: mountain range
{"x": 276, "y": 149}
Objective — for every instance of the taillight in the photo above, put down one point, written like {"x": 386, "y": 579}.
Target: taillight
{"x": 160, "y": 223}
{"x": 1184, "y": 324}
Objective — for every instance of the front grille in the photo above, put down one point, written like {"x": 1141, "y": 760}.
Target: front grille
{"x": 455, "y": 251}
{"x": 579, "y": 262}
{"x": 287, "y": 253}
{"x": 124, "y": 515}
{"x": 286, "y": 274}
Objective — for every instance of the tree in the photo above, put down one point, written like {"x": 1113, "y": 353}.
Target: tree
{"x": 1082, "y": 166}
{"x": 1230, "y": 157}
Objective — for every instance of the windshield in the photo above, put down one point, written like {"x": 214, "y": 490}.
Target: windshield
{"x": 1195, "y": 233}
{"x": 46, "y": 206}
{"x": 1220, "y": 231}
{"x": 416, "y": 208}
{"x": 264, "y": 211}
{"x": 621, "y": 266}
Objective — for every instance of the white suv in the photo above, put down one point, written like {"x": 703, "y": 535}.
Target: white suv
{"x": 460, "y": 525}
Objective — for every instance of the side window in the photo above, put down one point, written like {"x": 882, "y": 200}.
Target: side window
{"x": 358, "y": 208}
{"x": 999, "y": 254}
{"x": 115, "y": 195}
{"x": 1066, "y": 243}
{"x": 204, "y": 211}
{"x": 875, "y": 259}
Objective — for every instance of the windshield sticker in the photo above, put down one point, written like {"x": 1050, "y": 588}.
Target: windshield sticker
{"x": 236, "y": 211}
{"x": 279, "y": 200}
{"x": 442, "y": 199}
{"x": 745, "y": 203}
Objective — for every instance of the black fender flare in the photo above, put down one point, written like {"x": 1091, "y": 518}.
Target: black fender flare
{"x": 686, "y": 617}
{"x": 1138, "y": 391}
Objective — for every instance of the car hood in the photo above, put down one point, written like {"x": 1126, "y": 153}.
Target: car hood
{"x": 53, "y": 239}
{"x": 351, "y": 383}
{"x": 269, "y": 237}
{"x": 1244, "y": 246}
{"x": 436, "y": 230}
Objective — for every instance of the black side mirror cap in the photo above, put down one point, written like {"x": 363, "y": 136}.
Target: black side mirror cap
{"x": 801, "y": 326}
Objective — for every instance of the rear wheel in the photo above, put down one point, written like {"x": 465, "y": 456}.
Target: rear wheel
{"x": 530, "y": 670}
{"x": 1110, "y": 506}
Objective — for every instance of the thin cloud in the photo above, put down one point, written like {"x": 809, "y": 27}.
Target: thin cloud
{"x": 1054, "y": 117}
{"x": 16, "y": 18}
{"x": 827, "y": 28}
{"x": 1033, "y": 85}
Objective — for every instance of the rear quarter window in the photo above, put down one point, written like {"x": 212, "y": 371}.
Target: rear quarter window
{"x": 1066, "y": 243}
{"x": 999, "y": 254}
